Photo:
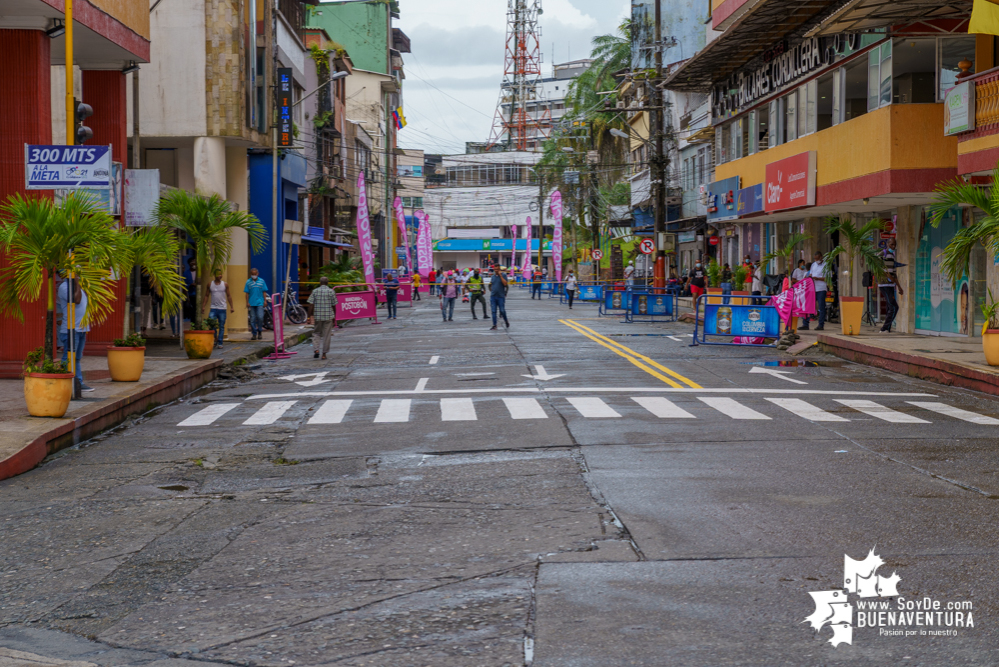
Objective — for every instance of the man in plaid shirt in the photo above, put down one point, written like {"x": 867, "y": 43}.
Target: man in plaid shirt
{"x": 322, "y": 308}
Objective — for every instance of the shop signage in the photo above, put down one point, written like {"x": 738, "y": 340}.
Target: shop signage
{"x": 285, "y": 129}
{"x": 785, "y": 67}
{"x": 790, "y": 183}
{"x": 722, "y": 200}
{"x": 142, "y": 194}
{"x": 67, "y": 167}
{"x": 686, "y": 237}
{"x": 959, "y": 108}
{"x": 750, "y": 200}
{"x": 355, "y": 305}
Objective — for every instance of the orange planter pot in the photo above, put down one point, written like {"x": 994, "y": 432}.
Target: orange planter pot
{"x": 126, "y": 363}
{"x": 48, "y": 394}
{"x": 712, "y": 299}
{"x": 199, "y": 344}
{"x": 990, "y": 345}
{"x": 851, "y": 311}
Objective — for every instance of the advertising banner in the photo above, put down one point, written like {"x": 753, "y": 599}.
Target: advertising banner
{"x": 513, "y": 242}
{"x": 355, "y": 305}
{"x": 733, "y": 320}
{"x": 556, "y": 205}
{"x": 142, "y": 194}
{"x": 527, "y": 257}
{"x": 722, "y": 199}
{"x": 67, "y": 167}
{"x": 651, "y": 304}
{"x": 364, "y": 232}
{"x": 400, "y": 217}
{"x": 790, "y": 182}
{"x": 404, "y": 293}
{"x": 424, "y": 245}
{"x": 285, "y": 126}
{"x": 798, "y": 301}
{"x": 959, "y": 108}
{"x": 750, "y": 200}
{"x": 617, "y": 300}
{"x": 590, "y": 292}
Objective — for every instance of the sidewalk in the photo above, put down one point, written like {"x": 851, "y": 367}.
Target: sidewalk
{"x": 168, "y": 374}
{"x": 949, "y": 360}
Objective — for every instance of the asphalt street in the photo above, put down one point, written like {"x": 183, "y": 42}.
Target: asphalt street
{"x": 571, "y": 491}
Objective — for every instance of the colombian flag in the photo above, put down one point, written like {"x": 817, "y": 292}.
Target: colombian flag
{"x": 985, "y": 17}
{"x": 400, "y": 120}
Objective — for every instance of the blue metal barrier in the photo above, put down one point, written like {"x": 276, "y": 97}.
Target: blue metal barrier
{"x": 552, "y": 288}
{"x": 753, "y": 320}
{"x": 591, "y": 292}
{"x": 616, "y": 302}
{"x": 647, "y": 306}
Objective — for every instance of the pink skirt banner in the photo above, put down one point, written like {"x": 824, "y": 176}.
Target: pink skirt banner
{"x": 556, "y": 204}
{"x": 364, "y": 232}
{"x": 400, "y": 218}
{"x": 527, "y": 257}
{"x": 798, "y": 301}
{"x": 355, "y": 305}
{"x": 424, "y": 245}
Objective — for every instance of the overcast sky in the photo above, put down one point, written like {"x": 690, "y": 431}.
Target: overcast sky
{"x": 454, "y": 72}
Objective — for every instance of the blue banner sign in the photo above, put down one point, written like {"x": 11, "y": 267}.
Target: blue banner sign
{"x": 67, "y": 167}
{"x": 751, "y": 200}
{"x": 733, "y": 320}
{"x": 617, "y": 300}
{"x": 651, "y": 304}
{"x": 590, "y": 292}
{"x": 721, "y": 199}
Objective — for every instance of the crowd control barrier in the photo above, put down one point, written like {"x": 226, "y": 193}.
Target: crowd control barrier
{"x": 647, "y": 306}
{"x": 552, "y": 289}
{"x": 616, "y": 302}
{"x": 730, "y": 321}
{"x": 590, "y": 292}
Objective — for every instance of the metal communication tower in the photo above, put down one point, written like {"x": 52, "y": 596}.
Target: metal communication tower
{"x": 523, "y": 117}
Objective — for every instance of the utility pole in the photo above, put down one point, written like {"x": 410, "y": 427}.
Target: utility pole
{"x": 657, "y": 170}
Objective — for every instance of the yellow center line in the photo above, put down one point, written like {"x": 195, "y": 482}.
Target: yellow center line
{"x": 644, "y": 358}
{"x": 613, "y": 349}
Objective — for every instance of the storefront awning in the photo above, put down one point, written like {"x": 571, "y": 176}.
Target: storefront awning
{"x": 749, "y": 37}
{"x": 868, "y": 15}
{"x": 315, "y": 237}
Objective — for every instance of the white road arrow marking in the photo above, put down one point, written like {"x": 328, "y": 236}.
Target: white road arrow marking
{"x": 317, "y": 378}
{"x": 542, "y": 374}
{"x": 776, "y": 373}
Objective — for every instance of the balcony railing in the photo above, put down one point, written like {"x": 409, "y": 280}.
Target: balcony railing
{"x": 294, "y": 12}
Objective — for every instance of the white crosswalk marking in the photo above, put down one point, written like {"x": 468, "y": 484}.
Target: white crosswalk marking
{"x": 806, "y": 410}
{"x": 208, "y": 415}
{"x": 458, "y": 410}
{"x": 331, "y": 412}
{"x": 956, "y": 413}
{"x": 731, "y": 408}
{"x": 269, "y": 413}
{"x": 678, "y": 340}
{"x": 525, "y": 408}
{"x": 393, "y": 410}
{"x": 593, "y": 408}
{"x": 662, "y": 407}
{"x": 881, "y": 412}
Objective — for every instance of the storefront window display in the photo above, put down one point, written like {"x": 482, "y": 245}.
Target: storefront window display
{"x": 942, "y": 308}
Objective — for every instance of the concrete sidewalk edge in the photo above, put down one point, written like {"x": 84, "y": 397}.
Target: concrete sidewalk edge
{"x": 944, "y": 372}
{"x": 111, "y": 412}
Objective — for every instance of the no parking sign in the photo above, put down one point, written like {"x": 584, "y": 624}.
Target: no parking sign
{"x": 647, "y": 247}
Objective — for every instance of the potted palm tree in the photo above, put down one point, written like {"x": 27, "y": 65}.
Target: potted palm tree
{"x": 207, "y": 223}
{"x": 41, "y": 240}
{"x": 857, "y": 243}
{"x": 956, "y": 256}
{"x": 739, "y": 276}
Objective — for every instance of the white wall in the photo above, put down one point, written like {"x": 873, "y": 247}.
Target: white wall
{"x": 172, "y": 85}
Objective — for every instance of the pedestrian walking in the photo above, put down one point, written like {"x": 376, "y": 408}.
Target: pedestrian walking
{"x": 537, "y": 278}
{"x": 697, "y": 280}
{"x": 448, "y": 291}
{"x": 498, "y": 287}
{"x": 417, "y": 281}
{"x": 216, "y": 297}
{"x": 432, "y": 281}
{"x": 629, "y": 274}
{"x": 476, "y": 289}
{"x": 818, "y": 274}
{"x": 889, "y": 287}
{"x": 322, "y": 310}
{"x": 391, "y": 285}
{"x": 256, "y": 300}
{"x": 79, "y": 330}
{"x": 570, "y": 288}
{"x": 758, "y": 285}
{"x": 191, "y": 284}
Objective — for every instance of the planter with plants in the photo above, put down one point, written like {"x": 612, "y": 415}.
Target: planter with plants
{"x": 714, "y": 271}
{"x": 857, "y": 243}
{"x": 739, "y": 276}
{"x": 48, "y": 387}
{"x": 207, "y": 223}
{"x": 126, "y": 358}
{"x": 990, "y": 331}
{"x": 41, "y": 241}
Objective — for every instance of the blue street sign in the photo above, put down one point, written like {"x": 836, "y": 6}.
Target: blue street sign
{"x": 67, "y": 167}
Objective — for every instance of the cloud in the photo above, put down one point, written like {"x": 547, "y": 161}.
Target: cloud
{"x": 472, "y": 45}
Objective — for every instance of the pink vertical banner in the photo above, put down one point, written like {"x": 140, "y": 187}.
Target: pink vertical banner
{"x": 556, "y": 205}
{"x": 364, "y": 233}
{"x": 527, "y": 255}
{"x": 400, "y": 218}
{"x": 424, "y": 245}
{"x": 513, "y": 256}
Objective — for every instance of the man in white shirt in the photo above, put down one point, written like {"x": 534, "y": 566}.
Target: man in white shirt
{"x": 818, "y": 274}
{"x": 629, "y": 274}
{"x": 758, "y": 283}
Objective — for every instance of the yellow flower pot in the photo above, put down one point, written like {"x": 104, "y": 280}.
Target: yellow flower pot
{"x": 199, "y": 344}
{"x": 714, "y": 300}
{"x": 48, "y": 394}
{"x": 851, "y": 311}
{"x": 990, "y": 344}
{"x": 125, "y": 363}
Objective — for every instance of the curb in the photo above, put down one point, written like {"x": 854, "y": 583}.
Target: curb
{"x": 111, "y": 412}
{"x": 948, "y": 373}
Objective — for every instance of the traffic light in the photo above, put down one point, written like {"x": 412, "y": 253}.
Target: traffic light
{"x": 83, "y": 111}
